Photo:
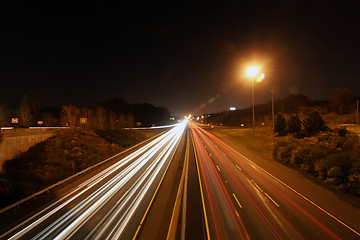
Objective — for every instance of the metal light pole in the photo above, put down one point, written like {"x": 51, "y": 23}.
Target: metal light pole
{"x": 253, "y": 103}
{"x": 252, "y": 72}
{"x": 273, "y": 113}
{"x": 357, "y": 112}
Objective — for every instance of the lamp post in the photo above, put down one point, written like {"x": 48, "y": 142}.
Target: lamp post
{"x": 252, "y": 72}
{"x": 273, "y": 113}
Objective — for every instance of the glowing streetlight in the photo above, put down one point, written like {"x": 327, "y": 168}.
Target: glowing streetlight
{"x": 252, "y": 72}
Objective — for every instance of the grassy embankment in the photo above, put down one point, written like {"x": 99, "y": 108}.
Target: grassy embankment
{"x": 335, "y": 167}
{"x": 60, "y": 157}
{"x": 261, "y": 143}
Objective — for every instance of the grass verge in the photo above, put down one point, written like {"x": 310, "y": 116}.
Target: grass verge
{"x": 261, "y": 143}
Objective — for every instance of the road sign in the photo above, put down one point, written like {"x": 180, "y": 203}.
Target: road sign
{"x": 14, "y": 120}
{"x": 83, "y": 120}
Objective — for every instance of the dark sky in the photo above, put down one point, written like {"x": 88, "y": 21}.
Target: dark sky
{"x": 188, "y": 56}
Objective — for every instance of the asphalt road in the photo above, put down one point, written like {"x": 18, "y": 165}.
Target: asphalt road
{"x": 109, "y": 205}
{"x": 227, "y": 196}
{"x": 244, "y": 201}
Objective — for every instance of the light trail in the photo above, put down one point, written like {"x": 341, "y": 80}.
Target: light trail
{"x": 281, "y": 214}
{"x": 225, "y": 221}
{"x": 135, "y": 174}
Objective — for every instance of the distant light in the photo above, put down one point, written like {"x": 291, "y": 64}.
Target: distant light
{"x": 260, "y": 77}
{"x": 242, "y": 125}
{"x": 198, "y": 118}
{"x": 172, "y": 118}
{"x": 232, "y": 108}
{"x": 252, "y": 71}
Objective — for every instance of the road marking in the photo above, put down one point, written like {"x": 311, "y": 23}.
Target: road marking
{"x": 256, "y": 186}
{"x": 218, "y": 168}
{"x": 204, "y": 146}
{"x": 298, "y": 193}
{"x": 238, "y": 167}
{"x": 210, "y": 155}
{"x": 237, "y": 200}
{"x": 272, "y": 200}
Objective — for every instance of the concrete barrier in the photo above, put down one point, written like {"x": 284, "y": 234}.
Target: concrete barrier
{"x": 14, "y": 143}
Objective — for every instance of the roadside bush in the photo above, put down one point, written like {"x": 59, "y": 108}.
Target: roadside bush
{"x": 333, "y": 157}
{"x": 341, "y": 131}
{"x": 313, "y": 124}
{"x": 354, "y": 178}
{"x": 117, "y": 137}
{"x": 293, "y": 124}
{"x": 280, "y": 124}
{"x": 283, "y": 150}
{"x": 309, "y": 152}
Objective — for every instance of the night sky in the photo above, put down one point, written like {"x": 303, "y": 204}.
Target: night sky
{"x": 188, "y": 56}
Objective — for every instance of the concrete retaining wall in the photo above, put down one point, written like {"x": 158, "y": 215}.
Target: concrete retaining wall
{"x": 13, "y": 144}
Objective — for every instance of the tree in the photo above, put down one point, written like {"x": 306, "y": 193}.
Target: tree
{"x": 3, "y": 116}
{"x": 342, "y": 101}
{"x": 293, "y": 124}
{"x": 25, "y": 116}
{"x": 313, "y": 123}
{"x": 280, "y": 124}
{"x": 70, "y": 116}
{"x": 130, "y": 120}
{"x": 113, "y": 120}
{"x": 49, "y": 119}
{"x": 100, "y": 114}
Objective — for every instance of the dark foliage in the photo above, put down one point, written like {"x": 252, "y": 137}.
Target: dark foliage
{"x": 313, "y": 123}
{"x": 342, "y": 101}
{"x": 280, "y": 124}
{"x": 331, "y": 157}
{"x": 117, "y": 137}
{"x": 342, "y": 131}
{"x": 148, "y": 115}
{"x": 293, "y": 124}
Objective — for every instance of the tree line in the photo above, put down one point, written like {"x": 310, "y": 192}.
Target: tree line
{"x": 341, "y": 102}
{"x": 113, "y": 114}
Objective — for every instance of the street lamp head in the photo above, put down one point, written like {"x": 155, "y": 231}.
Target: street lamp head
{"x": 260, "y": 77}
{"x": 252, "y": 71}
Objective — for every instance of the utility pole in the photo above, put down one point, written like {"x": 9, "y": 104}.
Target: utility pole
{"x": 357, "y": 112}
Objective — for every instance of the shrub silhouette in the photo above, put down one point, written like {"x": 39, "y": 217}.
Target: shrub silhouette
{"x": 313, "y": 123}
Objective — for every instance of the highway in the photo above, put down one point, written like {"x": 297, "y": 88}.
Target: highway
{"x": 228, "y": 196}
{"x": 241, "y": 200}
{"x": 109, "y": 205}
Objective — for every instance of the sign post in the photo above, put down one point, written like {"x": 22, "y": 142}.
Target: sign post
{"x": 83, "y": 122}
{"x": 14, "y": 121}
{"x": 40, "y": 123}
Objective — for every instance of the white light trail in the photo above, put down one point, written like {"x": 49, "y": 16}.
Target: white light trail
{"x": 67, "y": 224}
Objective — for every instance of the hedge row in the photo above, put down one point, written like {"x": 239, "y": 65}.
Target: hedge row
{"x": 333, "y": 157}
